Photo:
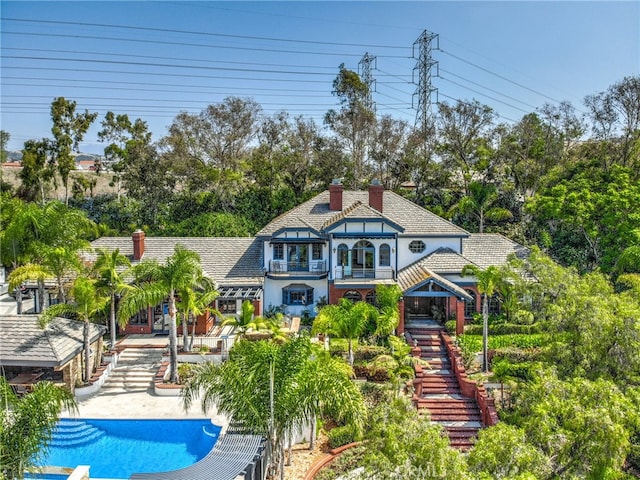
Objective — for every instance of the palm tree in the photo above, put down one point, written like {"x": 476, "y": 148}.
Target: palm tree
{"x": 195, "y": 302}
{"x": 479, "y": 202}
{"x": 157, "y": 283}
{"x": 488, "y": 281}
{"x": 273, "y": 389}
{"x": 245, "y": 320}
{"x": 88, "y": 305}
{"x": 26, "y": 425}
{"x": 110, "y": 268}
{"x": 387, "y": 298}
{"x": 345, "y": 320}
{"x": 400, "y": 363}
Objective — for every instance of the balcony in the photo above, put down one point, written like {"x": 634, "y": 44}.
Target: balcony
{"x": 282, "y": 268}
{"x": 359, "y": 274}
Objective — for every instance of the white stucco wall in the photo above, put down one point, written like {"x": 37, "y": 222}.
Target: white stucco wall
{"x": 406, "y": 257}
{"x": 273, "y": 294}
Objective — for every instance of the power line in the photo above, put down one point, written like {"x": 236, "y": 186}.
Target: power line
{"x": 207, "y": 34}
{"x": 500, "y": 76}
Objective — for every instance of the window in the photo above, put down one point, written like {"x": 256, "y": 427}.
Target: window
{"x": 316, "y": 251}
{"x": 470, "y": 306}
{"x": 278, "y": 251}
{"x": 385, "y": 255}
{"x": 494, "y": 304}
{"x": 353, "y": 295}
{"x": 298, "y": 259}
{"x": 417, "y": 246}
{"x": 140, "y": 318}
{"x": 227, "y": 306}
{"x": 371, "y": 299}
{"x": 297, "y": 294}
{"x": 343, "y": 255}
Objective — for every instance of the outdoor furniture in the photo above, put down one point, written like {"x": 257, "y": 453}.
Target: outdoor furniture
{"x": 23, "y": 382}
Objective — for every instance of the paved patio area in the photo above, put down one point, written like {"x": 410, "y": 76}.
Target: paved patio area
{"x": 123, "y": 404}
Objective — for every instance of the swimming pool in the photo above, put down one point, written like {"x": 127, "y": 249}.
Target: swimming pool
{"x": 116, "y": 449}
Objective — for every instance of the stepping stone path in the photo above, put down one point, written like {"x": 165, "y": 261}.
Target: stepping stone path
{"x": 441, "y": 396}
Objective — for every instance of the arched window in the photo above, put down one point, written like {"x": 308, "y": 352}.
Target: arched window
{"x": 470, "y": 305}
{"x": 385, "y": 255}
{"x": 371, "y": 298}
{"x": 494, "y": 304}
{"x": 343, "y": 255}
{"x": 353, "y": 295}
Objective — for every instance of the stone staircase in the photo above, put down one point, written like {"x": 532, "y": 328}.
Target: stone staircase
{"x": 136, "y": 370}
{"x": 441, "y": 395}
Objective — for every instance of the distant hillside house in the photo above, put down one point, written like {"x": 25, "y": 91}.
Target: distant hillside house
{"x": 339, "y": 244}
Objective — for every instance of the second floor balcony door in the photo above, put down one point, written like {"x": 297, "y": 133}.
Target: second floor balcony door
{"x": 298, "y": 258}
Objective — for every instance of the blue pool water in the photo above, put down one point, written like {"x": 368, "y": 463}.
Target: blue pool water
{"x": 118, "y": 448}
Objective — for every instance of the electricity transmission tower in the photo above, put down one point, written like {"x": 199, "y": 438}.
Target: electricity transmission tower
{"x": 425, "y": 66}
{"x": 365, "y": 65}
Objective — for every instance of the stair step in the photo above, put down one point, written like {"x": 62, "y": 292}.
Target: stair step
{"x": 74, "y": 433}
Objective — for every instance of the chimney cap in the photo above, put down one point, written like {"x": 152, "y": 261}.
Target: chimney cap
{"x": 336, "y": 181}
{"x": 375, "y": 181}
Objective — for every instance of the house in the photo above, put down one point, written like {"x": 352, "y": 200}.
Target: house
{"x": 53, "y": 353}
{"x": 339, "y": 244}
{"x": 234, "y": 263}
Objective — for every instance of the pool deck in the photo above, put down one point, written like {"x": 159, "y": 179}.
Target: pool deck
{"x": 123, "y": 404}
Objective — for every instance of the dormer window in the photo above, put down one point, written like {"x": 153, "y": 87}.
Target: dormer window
{"x": 417, "y": 246}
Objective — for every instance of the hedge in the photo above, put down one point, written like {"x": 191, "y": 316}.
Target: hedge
{"x": 340, "y": 436}
{"x": 504, "y": 329}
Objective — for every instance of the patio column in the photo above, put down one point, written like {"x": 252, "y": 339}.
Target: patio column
{"x": 400, "y": 329}
{"x": 459, "y": 316}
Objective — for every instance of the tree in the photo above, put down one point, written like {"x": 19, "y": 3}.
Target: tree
{"x": 480, "y": 203}
{"x": 615, "y": 123}
{"x": 36, "y": 171}
{"x": 4, "y": 140}
{"x": 194, "y": 302}
{"x": 110, "y": 269}
{"x": 68, "y": 131}
{"x": 354, "y": 122}
{"x": 27, "y": 423}
{"x": 403, "y": 444}
{"x": 156, "y": 283}
{"x": 488, "y": 280}
{"x": 123, "y": 136}
{"x": 502, "y": 452}
{"x": 87, "y": 305}
{"x": 387, "y": 298}
{"x": 345, "y": 320}
{"x": 245, "y": 319}
{"x": 273, "y": 389}
{"x": 465, "y": 138}
{"x": 583, "y": 426}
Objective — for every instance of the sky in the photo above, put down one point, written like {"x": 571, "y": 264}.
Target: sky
{"x": 152, "y": 60}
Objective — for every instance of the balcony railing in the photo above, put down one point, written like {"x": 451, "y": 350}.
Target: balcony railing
{"x": 365, "y": 273}
{"x": 313, "y": 267}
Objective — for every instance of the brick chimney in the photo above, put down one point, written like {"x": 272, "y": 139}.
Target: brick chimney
{"x": 138, "y": 244}
{"x": 376, "y": 192}
{"x": 335, "y": 195}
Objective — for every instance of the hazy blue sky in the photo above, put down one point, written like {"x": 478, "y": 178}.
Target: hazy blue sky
{"x": 152, "y": 60}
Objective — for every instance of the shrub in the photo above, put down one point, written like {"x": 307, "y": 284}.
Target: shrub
{"x": 503, "y": 329}
{"x": 378, "y": 373}
{"x": 516, "y": 355}
{"x": 340, "y": 436}
{"x": 185, "y": 372}
{"x": 368, "y": 352}
{"x": 523, "y": 371}
{"x": 450, "y": 327}
{"x": 376, "y": 393}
